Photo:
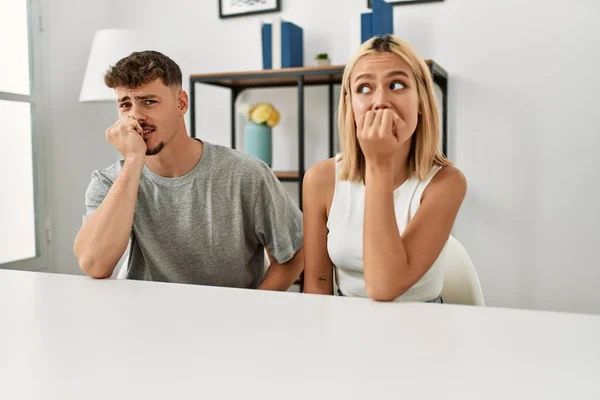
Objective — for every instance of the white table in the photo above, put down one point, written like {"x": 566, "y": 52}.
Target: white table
{"x": 72, "y": 337}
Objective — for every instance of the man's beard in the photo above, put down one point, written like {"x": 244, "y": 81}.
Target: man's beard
{"x": 156, "y": 150}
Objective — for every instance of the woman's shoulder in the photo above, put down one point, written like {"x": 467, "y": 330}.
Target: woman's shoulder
{"x": 450, "y": 172}
{"x": 319, "y": 185}
{"x": 448, "y": 179}
{"x": 321, "y": 175}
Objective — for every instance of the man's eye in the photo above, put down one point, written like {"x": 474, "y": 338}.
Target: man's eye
{"x": 124, "y": 105}
{"x": 149, "y": 102}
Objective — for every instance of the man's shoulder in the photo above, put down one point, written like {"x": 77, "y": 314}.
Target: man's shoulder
{"x": 102, "y": 180}
{"x": 108, "y": 174}
{"x": 236, "y": 162}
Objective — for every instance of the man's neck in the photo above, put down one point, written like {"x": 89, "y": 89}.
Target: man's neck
{"x": 178, "y": 158}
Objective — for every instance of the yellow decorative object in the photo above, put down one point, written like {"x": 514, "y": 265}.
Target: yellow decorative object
{"x": 273, "y": 119}
{"x": 264, "y": 113}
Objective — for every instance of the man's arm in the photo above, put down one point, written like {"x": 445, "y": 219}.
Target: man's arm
{"x": 278, "y": 226}
{"x": 102, "y": 240}
{"x": 282, "y": 276}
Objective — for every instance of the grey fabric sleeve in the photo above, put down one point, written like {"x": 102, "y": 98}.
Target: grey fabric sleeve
{"x": 277, "y": 219}
{"x": 95, "y": 193}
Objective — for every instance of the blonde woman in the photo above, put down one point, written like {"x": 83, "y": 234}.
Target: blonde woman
{"x": 360, "y": 208}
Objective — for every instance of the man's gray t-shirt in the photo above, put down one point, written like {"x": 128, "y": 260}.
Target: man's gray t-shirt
{"x": 210, "y": 226}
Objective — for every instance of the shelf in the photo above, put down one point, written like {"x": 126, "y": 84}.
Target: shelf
{"x": 283, "y": 77}
{"x": 273, "y": 77}
{"x": 287, "y": 176}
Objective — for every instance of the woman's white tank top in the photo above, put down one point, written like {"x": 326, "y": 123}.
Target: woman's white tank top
{"x": 345, "y": 237}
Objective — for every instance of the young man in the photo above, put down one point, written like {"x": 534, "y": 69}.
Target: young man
{"x": 195, "y": 212}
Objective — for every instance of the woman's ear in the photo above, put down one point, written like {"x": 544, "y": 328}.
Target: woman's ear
{"x": 348, "y": 99}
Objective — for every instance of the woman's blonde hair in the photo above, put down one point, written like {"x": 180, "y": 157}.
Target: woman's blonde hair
{"x": 424, "y": 151}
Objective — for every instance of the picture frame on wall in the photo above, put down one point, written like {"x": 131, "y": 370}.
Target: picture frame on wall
{"x": 405, "y": 2}
{"x": 240, "y": 8}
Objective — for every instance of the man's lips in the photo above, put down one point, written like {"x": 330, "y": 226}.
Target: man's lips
{"x": 148, "y": 132}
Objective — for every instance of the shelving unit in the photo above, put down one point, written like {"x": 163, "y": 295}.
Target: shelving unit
{"x": 328, "y": 76}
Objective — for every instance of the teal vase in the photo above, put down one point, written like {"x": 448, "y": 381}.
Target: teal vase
{"x": 258, "y": 142}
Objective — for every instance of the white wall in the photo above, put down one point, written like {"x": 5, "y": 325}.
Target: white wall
{"x": 522, "y": 125}
{"x": 74, "y": 131}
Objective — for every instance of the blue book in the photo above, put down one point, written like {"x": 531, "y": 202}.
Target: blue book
{"x": 366, "y": 26}
{"x": 383, "y": 17}
{"x": 292, "y": 45}
{"x": 266, "y": 46}
{"x": 380, "y": 21}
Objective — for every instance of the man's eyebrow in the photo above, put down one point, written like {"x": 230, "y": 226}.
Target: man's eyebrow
{"x": 143, "y": 97}
{"x": 146, "y": 97}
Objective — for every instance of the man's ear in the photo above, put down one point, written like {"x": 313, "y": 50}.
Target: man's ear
{"x": 182, "y": 102}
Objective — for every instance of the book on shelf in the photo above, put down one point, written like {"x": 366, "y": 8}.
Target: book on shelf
{"x": 282, "y": 45}
{"x": 379, "y": 21}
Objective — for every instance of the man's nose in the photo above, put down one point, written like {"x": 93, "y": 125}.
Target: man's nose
{"x": 137, "y": 112}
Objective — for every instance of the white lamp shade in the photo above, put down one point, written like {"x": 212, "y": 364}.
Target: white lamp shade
{"x": 108, "y": 47}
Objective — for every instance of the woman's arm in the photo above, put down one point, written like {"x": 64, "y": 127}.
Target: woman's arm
{"x": 282, "y": 276}
{"x": 394, "y": 262}
{"x": 317, "y": 192}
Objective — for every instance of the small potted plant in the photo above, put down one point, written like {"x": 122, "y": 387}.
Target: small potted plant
{"x": 323, "y": 59}
{"x": 262, "y": 117}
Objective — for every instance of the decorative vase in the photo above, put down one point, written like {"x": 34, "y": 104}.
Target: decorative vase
{"x": 258, "y": 141}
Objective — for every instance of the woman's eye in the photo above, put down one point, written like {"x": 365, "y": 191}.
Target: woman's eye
{"x": 397, "y": 85}
{"x": 363, "y": 89}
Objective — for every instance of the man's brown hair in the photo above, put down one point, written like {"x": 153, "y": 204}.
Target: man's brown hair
{"x": 141, "y": 68}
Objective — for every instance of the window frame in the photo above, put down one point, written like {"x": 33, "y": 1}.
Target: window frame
{"x": 43, "y": 227}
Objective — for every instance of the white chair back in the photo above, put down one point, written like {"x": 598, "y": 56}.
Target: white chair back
{"x": 461, "y": 283}
{"x": 122, "y": 265}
